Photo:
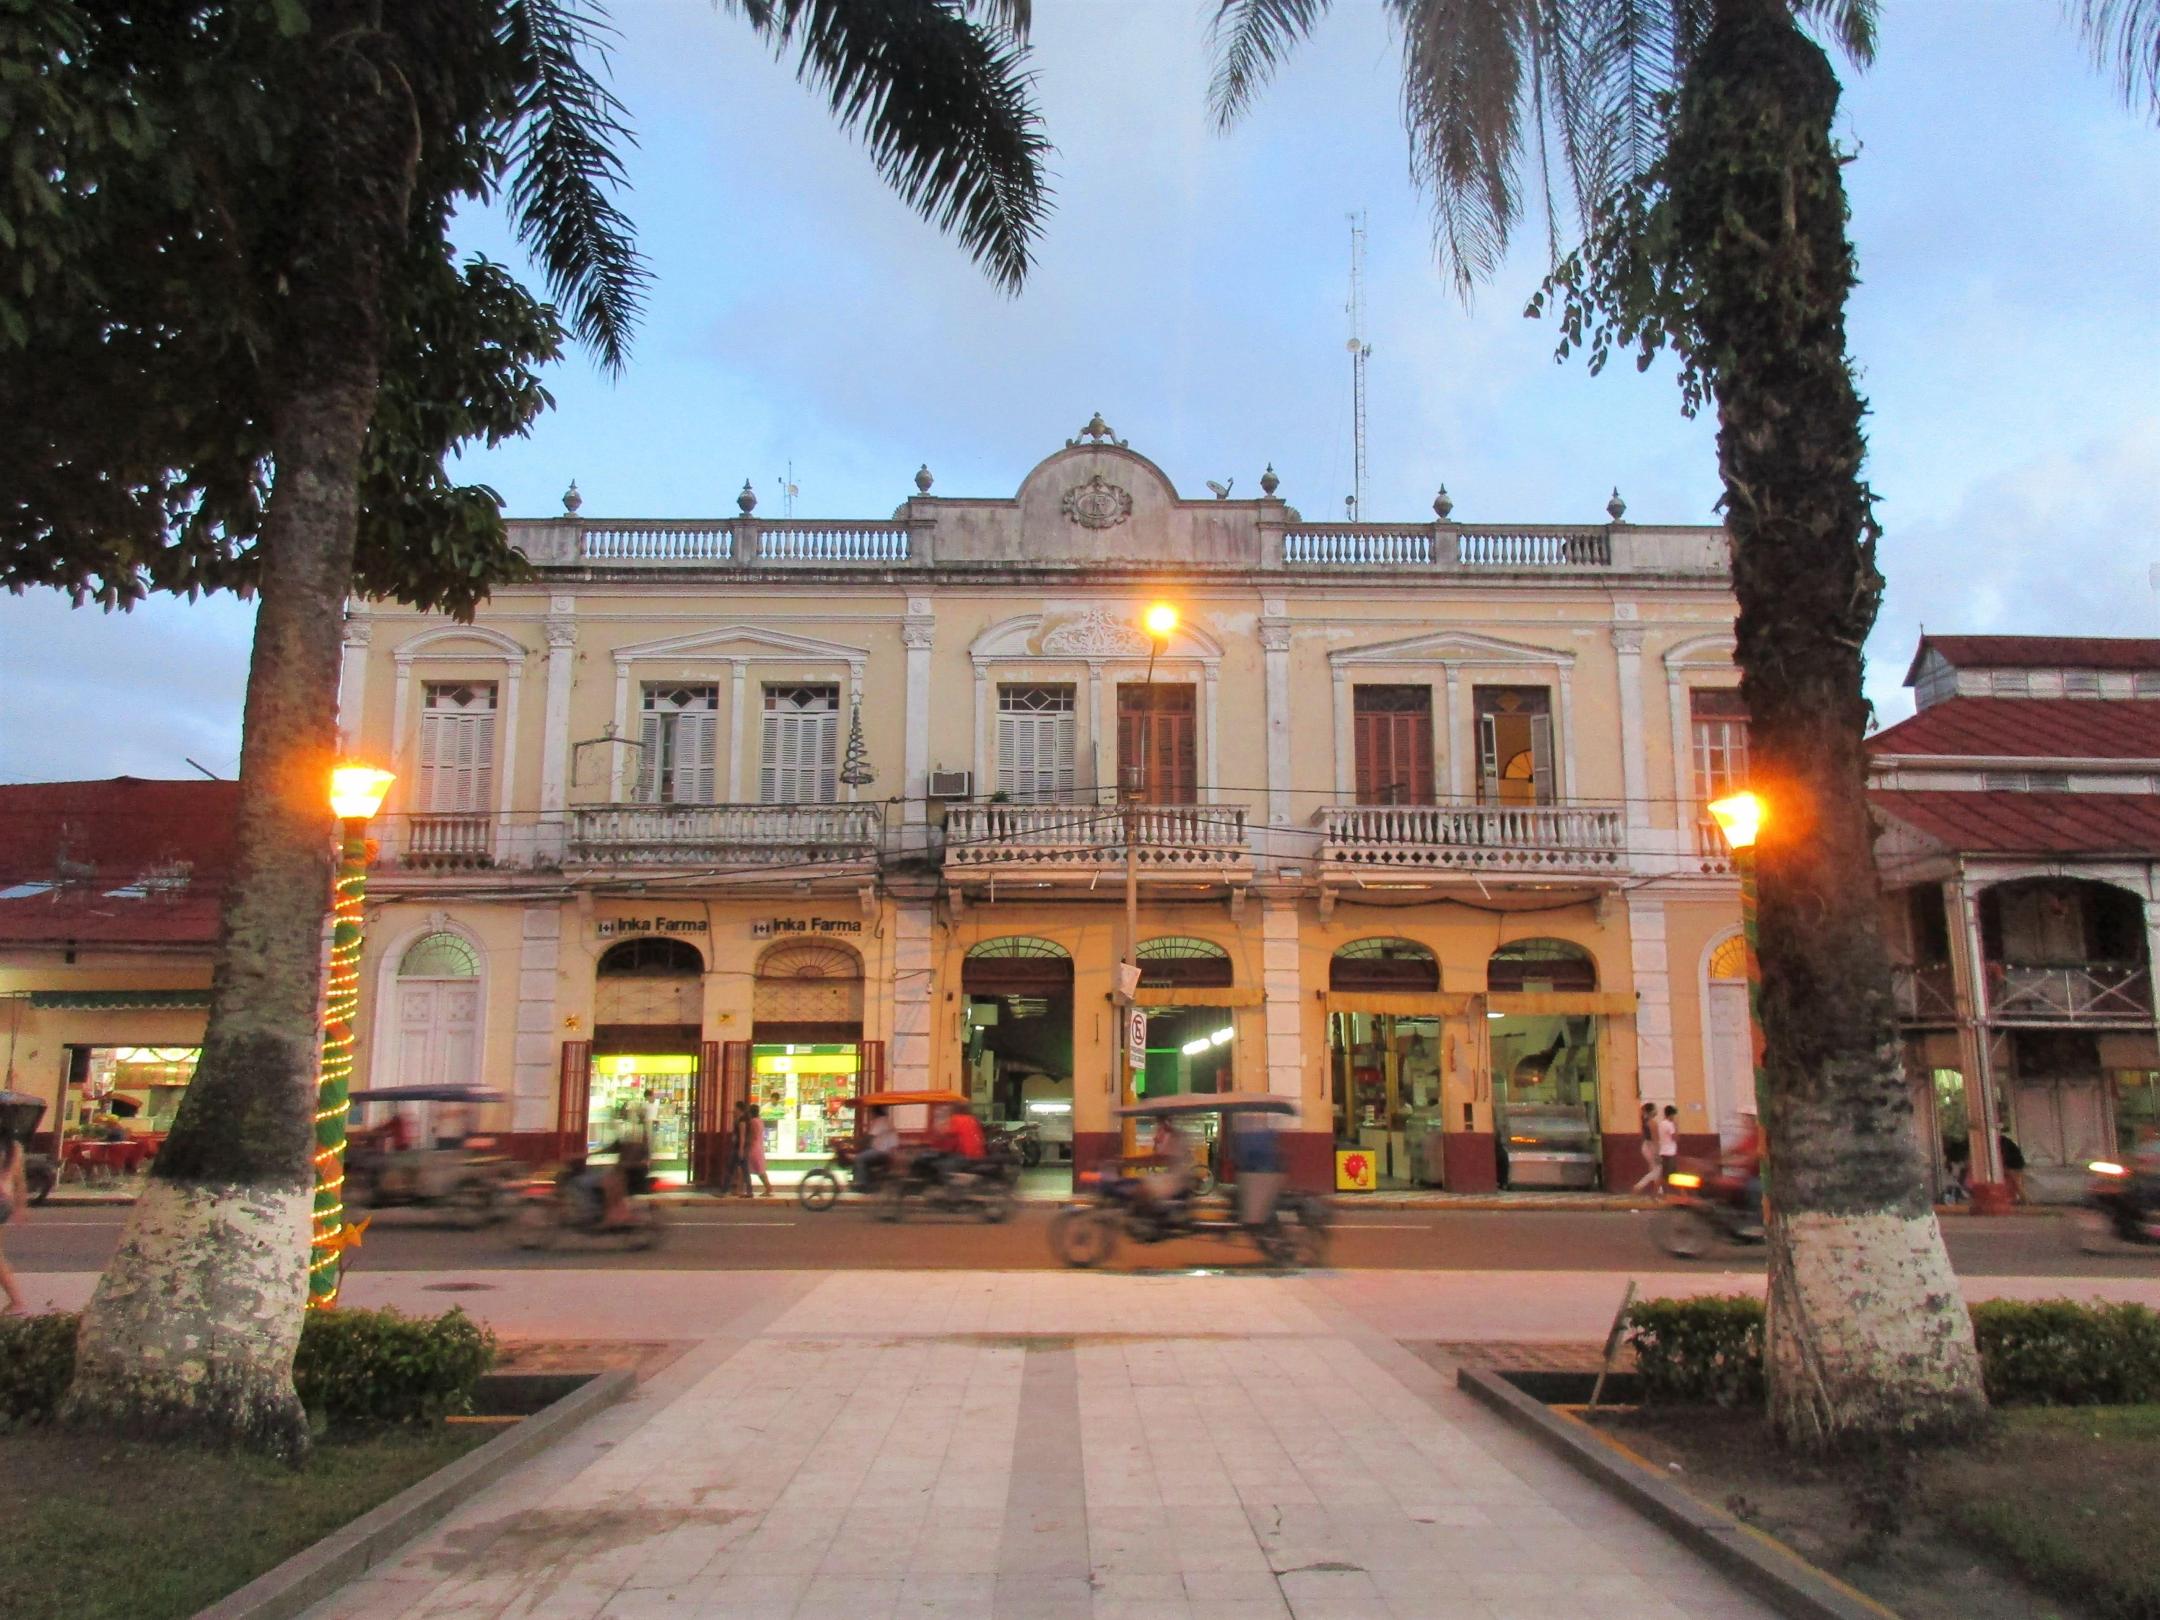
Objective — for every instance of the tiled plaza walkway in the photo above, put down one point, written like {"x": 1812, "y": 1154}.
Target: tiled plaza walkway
{"x": 866, "y": 1445}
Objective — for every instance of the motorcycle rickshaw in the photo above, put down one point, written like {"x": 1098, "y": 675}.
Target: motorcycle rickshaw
{"x": 388, "y": 1166}
{"x": 1126, "y": 1199}
{"x": 989, "y": 1194}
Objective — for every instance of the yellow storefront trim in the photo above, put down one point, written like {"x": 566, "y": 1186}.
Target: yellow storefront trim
{"x": 1461, "y": 1004}
{"x": 1561, "y": 1001}
{"x": 1402, "y": 1003}
{"x": 1226, "y": 995}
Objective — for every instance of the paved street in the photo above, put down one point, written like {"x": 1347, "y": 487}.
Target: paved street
{"x": 1042, "y": 1447}
{"x": 779, "y": 1234}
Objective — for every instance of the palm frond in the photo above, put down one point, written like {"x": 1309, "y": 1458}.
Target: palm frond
{"x": 2125, "y": 38}
{"x": 1248, "y": 40}
{"x": 944, "y": 104}
{"x": 1014, "y": 17}
{"x": 1850, "y": 22}
{"x": 1463, "y": 95}
{"x": 566, "y": 164}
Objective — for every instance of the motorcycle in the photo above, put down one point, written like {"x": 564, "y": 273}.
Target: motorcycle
{"x": 570, "y": 1204}
{"x": 2120, "y": 1207}
{"x": 1023, "y": 1142}
{"x": 981, "y": 1187}
{"x": 1705, "y": 1207}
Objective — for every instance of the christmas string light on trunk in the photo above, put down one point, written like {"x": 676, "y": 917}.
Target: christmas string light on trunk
{"x": 356, "y": 792}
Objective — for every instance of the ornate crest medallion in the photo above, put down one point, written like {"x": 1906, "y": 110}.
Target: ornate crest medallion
{"x": 1095, "y": 634}
{"x": 1097, "y": 504}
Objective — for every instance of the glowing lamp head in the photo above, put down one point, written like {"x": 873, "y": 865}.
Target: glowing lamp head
{"x": 1160, "y": 620}
{"x": 356, "y": 791}
{"x": 1740, "y": 817}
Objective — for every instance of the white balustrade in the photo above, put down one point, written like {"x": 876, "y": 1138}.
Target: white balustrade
{"x": 459, "y": 840}
{"x": 1473, "y": 837}
{"x": 1489, "y": 547}
{"x": 1360, "y": 544}
{"x": 732, "y": 834}
{"x": 792, "y": 542}
{"x": 688, "y": 541}
{"x": 1165, "y": 837}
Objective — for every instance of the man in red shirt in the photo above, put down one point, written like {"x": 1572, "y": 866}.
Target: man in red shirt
{"x": 961, "y": 1136}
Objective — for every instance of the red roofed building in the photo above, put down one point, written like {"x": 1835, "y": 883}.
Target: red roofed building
{"x": 2019, "y": 842}
{"x": 108, "y": 914}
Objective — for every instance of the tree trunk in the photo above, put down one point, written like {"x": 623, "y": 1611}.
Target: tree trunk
{"x": 193, "y": 1328}
{"x": 1868, "y": 1335}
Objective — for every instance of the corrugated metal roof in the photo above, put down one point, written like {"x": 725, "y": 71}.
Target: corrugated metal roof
{"x": 2039, "y": 652}
{"x": 119, "y": 862}
{"x": 2028, "y": 823}
{"x": 2028, "y": 728}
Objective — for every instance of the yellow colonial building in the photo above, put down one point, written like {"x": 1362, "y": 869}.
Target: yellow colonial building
{"x": 773, "y": 810}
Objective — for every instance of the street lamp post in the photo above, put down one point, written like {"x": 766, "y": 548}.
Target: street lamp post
{"x": 1740, "y": 816}
{"x": 1160, "y": 621}
{"x": 356, "y": 793}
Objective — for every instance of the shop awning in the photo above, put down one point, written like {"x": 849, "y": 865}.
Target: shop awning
{"x": 1552, "y": 1002}
{"x": 1401, "y": 1003}
{"x": 120, "y": 1000}
{"x": 1198, "y": 995}
{"x": 1462, "y": 1003}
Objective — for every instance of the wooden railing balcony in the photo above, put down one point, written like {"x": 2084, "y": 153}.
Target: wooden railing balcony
{"x": 1925, "y": 992}
{"x": 450, "y": 840}
{"x": 1432, "y": 838}
{"x": 755, "y": 835}
{"x": 1166, "y": 838}
{"x": 2069, "y": 993}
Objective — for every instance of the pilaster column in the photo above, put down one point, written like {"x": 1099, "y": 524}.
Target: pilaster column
{"x": 738, "y": 744}
{"x": 1570, "y": 782}
{"x": 536, "y": 1059}
{"x": 912, "y": 962}
{"x": 1283, "y": 986}
{"x": 1656, "y": 1079}
{"x": 1627, "y": 642}
{"x": 1275, "y": 661}
{"x": 561, "y": 632}
{"x": 917, "y": 632}
{"x": 352, "y": 685}
{"x": 1345, "y": 741}
{"x": 1461, "y": 746}
{"x": 1976, "y": 1056}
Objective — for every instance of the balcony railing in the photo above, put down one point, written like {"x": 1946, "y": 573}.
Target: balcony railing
{"x": 1196, "y": 838}
{"x": 2084, "y": 992}
{"x": 1711, "y": 850}
{"x": 808, "y": 542}
{"x": 1497, "y": 547}
{"x": 659, "y": 540}
{"x": 459, "y": 840}
{"x": 1418, "y": 838}
{"x": 1355, "y": 544}
{"x": 724, "y": 834}
{"x": 1925, "y": 993}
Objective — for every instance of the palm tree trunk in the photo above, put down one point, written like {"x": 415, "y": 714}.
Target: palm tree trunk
{"x": 195, "y": 1322}
{"x": 1868, "y": 1335}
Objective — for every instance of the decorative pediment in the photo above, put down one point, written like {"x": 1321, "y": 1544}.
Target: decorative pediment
{"x": 1712, "y": 651}
{"x": 1097, "y": 503}
{"x": 741, "y": 641}
{"x": 461, "y": 641}
{"x": 1453, "y": 647}
{"x": 1095, "y": 632}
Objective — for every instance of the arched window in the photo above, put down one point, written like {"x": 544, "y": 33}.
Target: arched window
{"x": 1019, "y": 945}
{"x": 1384, "y": 964}
{"x": 807, "y": 982}
{"x": 1017, "y": 964}
{"x": 1541, "y": 964}
{"x": 439, "y": 956}
{"x": 1176, "y": 961}
{"x": 650, "y": 958}
{"x": 1729, "y": 959}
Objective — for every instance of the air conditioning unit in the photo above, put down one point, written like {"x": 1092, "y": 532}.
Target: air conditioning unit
{"x": 952, "y": 784}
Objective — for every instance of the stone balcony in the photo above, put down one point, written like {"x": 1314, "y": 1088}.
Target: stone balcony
{"x": 449, "y": 841}
{"x": 1428, "y": 840}
{"x": 988, "y": 842}
{"x": 755, "y": 836}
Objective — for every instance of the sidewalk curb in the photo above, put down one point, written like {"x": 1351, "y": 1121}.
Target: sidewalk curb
{"x": 1765, "y": 1567}
{"x": 311, "y": 1575}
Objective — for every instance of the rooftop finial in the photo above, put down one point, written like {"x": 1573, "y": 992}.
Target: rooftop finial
{"x": 1616, "y": 506}
{"x": 747, "y": 500}
{"x": 923, "y": 480}
{"x": 1442, "y": 505}
{"x": 572, "y": 500}
{"x": 1097, "y": 431}
{"x": 1269, "y": 483}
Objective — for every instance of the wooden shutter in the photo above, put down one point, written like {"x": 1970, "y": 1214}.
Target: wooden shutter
{"x": 872, "y": 1076}
{"x": 769, "y": 763}
{"x": 1541, "y": 759}
{"x": 648, "y": 765}
{"x": 1170, "y": 774}
{"x": 692, "y": 777}
{"x": 1488, "y": 743}
{"x": 710, "y": 1110}
{"x": 1035, "y": 755}
{"x": 573, "y": 1093}
{"x": 828, "y": 756}
{"x": 1392, "y": 733}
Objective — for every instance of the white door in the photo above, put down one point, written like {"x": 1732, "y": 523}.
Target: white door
{"x": 1731, "y": 1056}
{"x": 438, "y": 1033}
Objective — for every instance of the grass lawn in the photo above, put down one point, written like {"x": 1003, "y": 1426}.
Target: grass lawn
{"x": 2051, "y": 1516}
{"x": 107, "y": 1530}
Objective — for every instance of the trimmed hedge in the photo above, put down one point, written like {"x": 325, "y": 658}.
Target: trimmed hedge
{"x": 2053, "y": 1352}
{"x": 355, "y": 1369}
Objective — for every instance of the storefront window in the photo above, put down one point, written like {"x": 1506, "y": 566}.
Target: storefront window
{"x": 128, "y": 1090}
{"x": 644, "y": 1095}
{"x": 1189, "y": 1049}
{"x": 803, "y": 1094}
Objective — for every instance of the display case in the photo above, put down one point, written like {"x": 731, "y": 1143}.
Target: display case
{"x": 1551, "y": 1145}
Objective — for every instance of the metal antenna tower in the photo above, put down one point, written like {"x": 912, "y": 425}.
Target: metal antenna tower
{"x": 1360, "y": 352}
{"x": 789, "y": 489}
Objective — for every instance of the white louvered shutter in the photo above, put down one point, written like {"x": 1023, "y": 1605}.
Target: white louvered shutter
{"x": 828, "y": 757}
{"x": 1541, "y": 758}
{"x": 648, "y": 760}
{"x": 1489, "y": 757}
{"x": 457, "y": 750}
{"x": 694, "y": 749}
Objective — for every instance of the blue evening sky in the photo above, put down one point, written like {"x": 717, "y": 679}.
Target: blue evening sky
{"x": 1191, "y": 287}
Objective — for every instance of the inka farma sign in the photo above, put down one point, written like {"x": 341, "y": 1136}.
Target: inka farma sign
{"x": 768, "y": 927}
{"x": 610, "y": 927}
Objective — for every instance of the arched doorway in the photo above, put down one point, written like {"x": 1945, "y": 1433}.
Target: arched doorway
{"x": 1384, "y": 1059}
{"x": 436, "y": 1005}
{"x": 1729, "y": 1041}
{"x": 806, "y": 1050}
{"x": 1546, "y": 1109}
{"x": 1017, "y": 1038}
{"x": 648, "y": 1028}
{"x": 1192, "y": 1040}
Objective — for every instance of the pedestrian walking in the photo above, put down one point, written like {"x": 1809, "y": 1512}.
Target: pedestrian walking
{"x": 753, "y": 1154}
{"x": 1649, "y": 1150}
{"x": 1668, "y": 1143}
{"x": 14, "y": 1196}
